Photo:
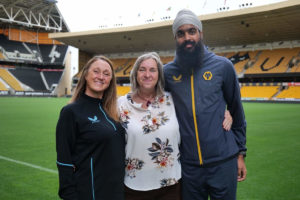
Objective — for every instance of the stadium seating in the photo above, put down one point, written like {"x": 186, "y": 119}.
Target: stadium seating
{"x": 290, "y": 92}
{"x": 294, "y": 65}
{"x": 2, "y": 87}
{"x": 248, "y": 62}
{"x": 33, "y": 47}
{"x": 228, "y": 54}
{"x": 2, "y": 56}
{"x": 167, "y": 59}
{"x": 11, "y": 46}
{"x": 296, "y": 68}
{"x": 10, "y": 80}
{"x": 45, "y": 51}
{"x": 284, "y": 60}
{"x": 30, "y": 77}
{"x": 122, "y": 90}
{"x": 61, "y": 50}
{"x": 52, "y": 76}
{"x": 32, "y": 52}
{"x": 123, "y": 66}
{"x": 273, "y": 61}
{"x": 259, "y": 91}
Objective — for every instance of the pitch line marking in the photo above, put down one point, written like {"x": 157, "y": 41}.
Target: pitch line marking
{"x": 29, "y": 165}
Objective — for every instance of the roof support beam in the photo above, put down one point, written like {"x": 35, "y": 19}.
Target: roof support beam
{"x": 24, "y": 17}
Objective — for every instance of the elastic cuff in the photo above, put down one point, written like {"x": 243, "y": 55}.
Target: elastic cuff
{"x": 242, "y": 153}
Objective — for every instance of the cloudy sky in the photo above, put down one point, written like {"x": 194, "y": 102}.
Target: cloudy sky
{"x": 95, "y": 14}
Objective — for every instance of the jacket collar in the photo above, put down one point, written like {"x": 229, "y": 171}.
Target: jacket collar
{"x": 87, "y": 98}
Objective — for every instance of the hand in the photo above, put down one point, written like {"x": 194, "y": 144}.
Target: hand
{"x": 242, "y": 171}
{"x": 227, "y": 122}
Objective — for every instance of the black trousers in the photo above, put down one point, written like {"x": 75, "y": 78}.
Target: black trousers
{"x": 219, "y": 182}
{"x": 172, "y": 192}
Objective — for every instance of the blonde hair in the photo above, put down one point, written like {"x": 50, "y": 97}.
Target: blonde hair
{"x": 109, "y": 95}
{"x": 159, "y": 87}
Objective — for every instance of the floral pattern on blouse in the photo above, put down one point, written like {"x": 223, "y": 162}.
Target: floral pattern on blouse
{"x": 152, "y": 142}
{"x": 132, "y": 165}
{"x": 160, "y": 100}
{"x": 152, "y": 123}
{"x": 124, "y": 116}
{"x": 161, "y": 154}
{"x": 167, "y": 182}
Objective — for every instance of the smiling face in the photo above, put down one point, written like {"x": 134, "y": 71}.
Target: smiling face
{"x": 147, "y": 75}
{"x": 98, "y": 78}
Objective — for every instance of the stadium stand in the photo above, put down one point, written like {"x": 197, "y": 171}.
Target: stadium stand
{"x": 32, "y": 51}
{"x": 11, "y": 46}
{"x": 61, "y": 51}
{"x": 122, "y": 90}
{"x": 123, "y": 66}
{"x": 10, "y": 80}
{"x": 264, "y": 61}
{"x": 259, "y": 91}
{"x": 2, "y": 86}
{"x": 240, "y": 66}
{"x": 30, "y": 77}
{"x": 290, "y": 92}
{"x": 45, "y": 51}
{"x": 273, "y": 61}
{"x": 2, "y": 56}
{"x": 40, "y": 55}
{"x": 260, "y": 53}
{"x": 51, "y": 76}
{"x": 167, "y": 59}
{"x": 280, "y": 61}
{"x": 21, "y": 46}
{"x": 294, "y": 64}
{"x": 31, "y": 63}
{"x": 33, "y": 48}
{"x": 286, "y": 60}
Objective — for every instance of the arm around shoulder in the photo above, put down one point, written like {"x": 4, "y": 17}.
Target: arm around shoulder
{"x": 232, "y": 95}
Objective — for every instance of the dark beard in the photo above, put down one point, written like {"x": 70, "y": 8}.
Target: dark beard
{"x": 190, "y": 59}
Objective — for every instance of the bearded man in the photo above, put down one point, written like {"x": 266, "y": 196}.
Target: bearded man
{"x": 203, "y": 86}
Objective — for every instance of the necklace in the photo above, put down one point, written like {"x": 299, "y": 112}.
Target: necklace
{"x": 148, "y": 100}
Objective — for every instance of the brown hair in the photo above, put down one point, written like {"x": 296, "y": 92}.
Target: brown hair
{"x": 109, "y": 95}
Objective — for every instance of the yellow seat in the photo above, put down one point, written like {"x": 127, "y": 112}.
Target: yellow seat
{"x": 10, "y": 80}
{"x": 291, "y": 92}
{"x": 258, "y": 91}
{"x": 122, "y": 90}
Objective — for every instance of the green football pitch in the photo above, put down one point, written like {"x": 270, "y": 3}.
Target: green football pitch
{"x": 27, "y": 150}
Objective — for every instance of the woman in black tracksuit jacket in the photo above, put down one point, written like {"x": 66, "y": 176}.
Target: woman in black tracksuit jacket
{"x": 89, "y": 138}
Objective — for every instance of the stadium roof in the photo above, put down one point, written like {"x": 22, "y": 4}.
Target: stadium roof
{"x": 270, "y": 23}
{"x": 33, "y": 14}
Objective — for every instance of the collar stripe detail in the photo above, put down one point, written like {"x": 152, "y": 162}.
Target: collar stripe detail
{"x": 64, "y": 164}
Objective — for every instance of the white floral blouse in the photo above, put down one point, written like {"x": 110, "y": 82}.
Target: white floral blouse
{"x": 152, "y": 143}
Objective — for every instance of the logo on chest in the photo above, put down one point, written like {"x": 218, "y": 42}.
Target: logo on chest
{"x": 178, "y": 78}
{"x": 94, "y": 120}
{"x": 207, "y": 75}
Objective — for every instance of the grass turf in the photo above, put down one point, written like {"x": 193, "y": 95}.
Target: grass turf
{"x": 27, "y": 133}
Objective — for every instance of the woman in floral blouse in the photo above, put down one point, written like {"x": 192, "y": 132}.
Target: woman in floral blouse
{"x": 152, "y": 168}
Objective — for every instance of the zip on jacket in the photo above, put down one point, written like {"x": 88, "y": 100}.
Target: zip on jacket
{"x": 195, "y": 119}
